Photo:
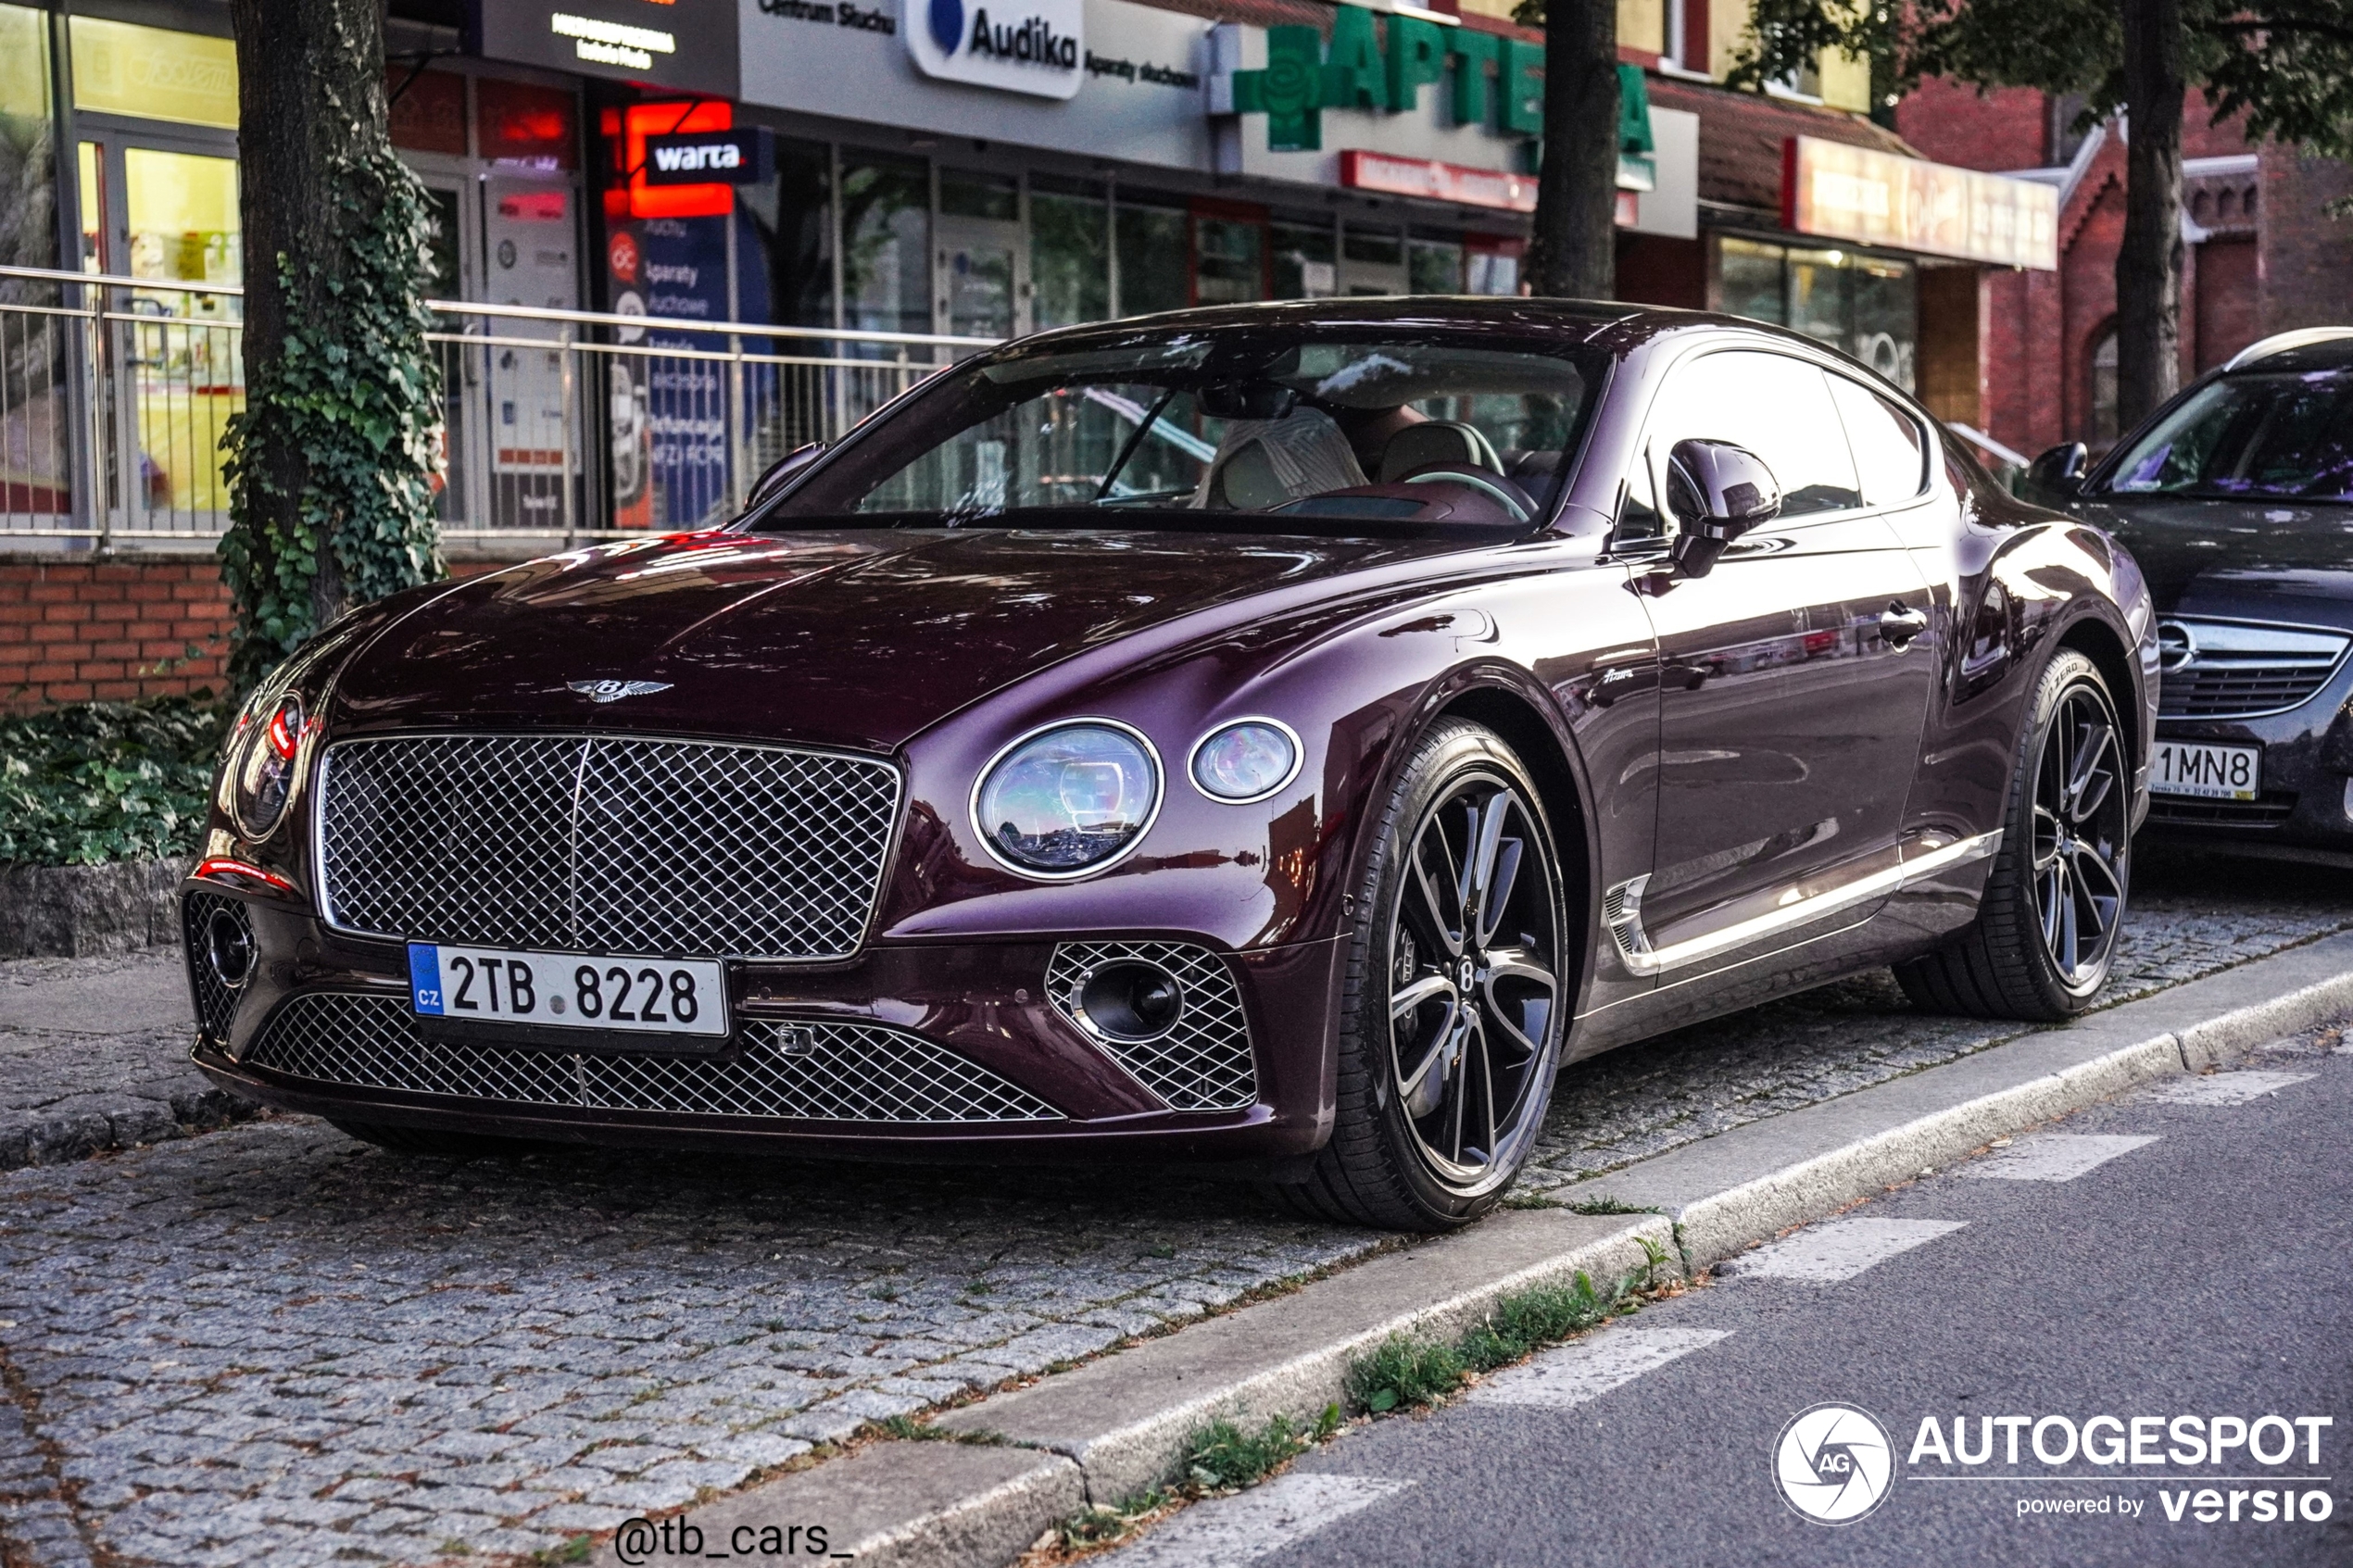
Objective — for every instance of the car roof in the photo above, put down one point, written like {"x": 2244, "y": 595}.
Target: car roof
{"x": 2312, "y": 348}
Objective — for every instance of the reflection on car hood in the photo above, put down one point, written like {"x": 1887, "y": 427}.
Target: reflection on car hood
{"x": 857, "y": 638}
{"x": 2251, "y": 560}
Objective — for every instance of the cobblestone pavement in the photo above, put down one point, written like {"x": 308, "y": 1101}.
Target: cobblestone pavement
{"x": 94, "y": 1055}
{"x": 273, "y": 1344}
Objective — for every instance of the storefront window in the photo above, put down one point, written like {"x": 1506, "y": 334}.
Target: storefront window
{"x": 28, "y": 161}
{"x": 1229, "y": 260}
{"x": 967, "y": 194}
{"x": 885, "y": 221}
{"x": 1069, "y": 252}
{"x": 1868, "y": 305}
{"x": 1434, "y": 268}
{"x": 119, "y": 67}
{"x": 1304, "y": 257}
{"x": 1750, "y": 278}
{"x": 790, "y": 278}
{"x": 1152, "y": 253}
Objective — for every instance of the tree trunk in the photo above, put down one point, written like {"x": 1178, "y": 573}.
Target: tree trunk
{"x": 1574, "y": 253}
{"x": 311, "y": 97}
{"x": 2148, "y": 266}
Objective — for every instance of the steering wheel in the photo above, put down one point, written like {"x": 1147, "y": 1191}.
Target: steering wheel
{"x": 1495, "y": 489}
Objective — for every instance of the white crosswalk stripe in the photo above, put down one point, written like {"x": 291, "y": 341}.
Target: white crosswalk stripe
{"x": 1840, "y": 1249}
{"x": 1245, "y": 1527}
{"x": 2052, "y": 1156}
{"x": 1590, "y": 1368}
{"x": 2222, "y": 1088}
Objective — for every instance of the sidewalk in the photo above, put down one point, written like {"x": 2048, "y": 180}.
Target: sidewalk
{"x": 93, "y": 1056}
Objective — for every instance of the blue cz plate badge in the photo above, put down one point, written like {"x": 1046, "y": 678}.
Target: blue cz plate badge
{"x": 568, "y": 990}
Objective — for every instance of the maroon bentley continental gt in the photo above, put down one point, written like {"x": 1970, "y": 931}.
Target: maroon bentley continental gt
{"x": 1278, "y": 737}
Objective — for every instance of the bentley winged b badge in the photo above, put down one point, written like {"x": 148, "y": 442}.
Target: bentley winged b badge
{"x": 613, "y": 691}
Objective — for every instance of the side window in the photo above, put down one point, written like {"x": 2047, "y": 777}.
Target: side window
{"x": 1779, "y": 409}
{"x": 1890, "y": 452}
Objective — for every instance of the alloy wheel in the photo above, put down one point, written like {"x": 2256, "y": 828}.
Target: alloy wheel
{"x": 1474, "y": 981}
{"x": 2080, "y": 838}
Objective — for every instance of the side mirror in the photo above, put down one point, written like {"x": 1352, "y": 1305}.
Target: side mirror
{"x": 1718, "y": 492}
{"x": 779, "y": 472}
{"x": 2060, "y": 471}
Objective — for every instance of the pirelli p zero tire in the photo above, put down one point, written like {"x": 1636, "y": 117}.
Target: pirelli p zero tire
{"x": 436, "y": 1141}
{"x": 2045, "y": 933}
{"x": 1456, "y": 994}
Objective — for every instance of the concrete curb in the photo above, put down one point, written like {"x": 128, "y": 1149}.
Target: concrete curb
{"x": 1107, "y": 1429}
{"x": 77, "y": 911}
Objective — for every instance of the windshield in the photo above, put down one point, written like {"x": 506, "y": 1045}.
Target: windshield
{"x": 1196, "y": 428}
{"x": 2287, "y": 435}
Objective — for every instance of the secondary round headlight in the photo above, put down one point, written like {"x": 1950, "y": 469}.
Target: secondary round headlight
{"x": 1246, "y": 760}
{"x": 265, "y": 769}
{"x": 1068, "y": 800}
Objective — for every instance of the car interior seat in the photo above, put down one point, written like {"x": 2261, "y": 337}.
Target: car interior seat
{"x": 1431, "y": 442}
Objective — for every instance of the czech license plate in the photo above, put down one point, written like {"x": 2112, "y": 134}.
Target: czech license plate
{"x": 568, "y": 990}
{"x": 2211, "y": 773}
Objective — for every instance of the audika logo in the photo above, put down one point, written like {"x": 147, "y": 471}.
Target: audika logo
{"x": 1833, "y": 1463}
{"x": 1035, "y": 50}
{"x": 947, "y": 24}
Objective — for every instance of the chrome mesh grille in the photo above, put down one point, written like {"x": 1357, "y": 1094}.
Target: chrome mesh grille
{"x": 624, "y": 845}
{"x": 804, "y": 1071}
{"x": 2220, "y": 669}
{"x": 216, "y": 1004}
{"x": 1203, "y": 1062}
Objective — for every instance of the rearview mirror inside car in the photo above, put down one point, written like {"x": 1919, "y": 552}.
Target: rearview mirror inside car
{"x": 2058, "y": 472}
{"x": 1246, "y": 400}
{"x": 1718, "y": 492}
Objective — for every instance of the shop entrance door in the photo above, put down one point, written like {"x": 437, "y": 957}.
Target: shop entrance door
{"x": 167, "y": 214}
{"x": 983, "y": 276}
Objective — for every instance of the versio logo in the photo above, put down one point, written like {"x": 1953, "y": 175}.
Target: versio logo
{"x": 1833, "y": 1463}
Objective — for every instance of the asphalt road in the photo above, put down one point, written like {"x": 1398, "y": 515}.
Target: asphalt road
{"x": 2161, "y": 1259}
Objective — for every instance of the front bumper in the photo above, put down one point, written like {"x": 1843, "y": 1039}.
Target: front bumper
{"x": 2305, "y": 805}
{"x": 912, "y": 1050}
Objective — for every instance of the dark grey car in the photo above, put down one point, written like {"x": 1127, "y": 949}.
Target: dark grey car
{"x": 2237, "y": 499}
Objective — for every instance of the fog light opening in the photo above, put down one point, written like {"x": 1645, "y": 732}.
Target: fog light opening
{"x": 229, "y": 948}
{"x": 1132, "y": 1000}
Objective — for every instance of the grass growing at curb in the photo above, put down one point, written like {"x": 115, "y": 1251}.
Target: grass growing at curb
{"x": 1218, "y": 1459}
{"x": 1404, "y": 1372}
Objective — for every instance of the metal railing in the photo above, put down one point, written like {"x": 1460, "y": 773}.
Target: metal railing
{"x": 115, "y": 392}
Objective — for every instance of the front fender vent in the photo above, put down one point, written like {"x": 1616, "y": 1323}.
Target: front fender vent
{"x": 1203, "y": 1061}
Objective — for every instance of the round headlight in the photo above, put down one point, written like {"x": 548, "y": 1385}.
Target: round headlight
{"x": 1068, "y": 800}
{"x": 1246, "y": 760}
{"x": 265, "y": 768}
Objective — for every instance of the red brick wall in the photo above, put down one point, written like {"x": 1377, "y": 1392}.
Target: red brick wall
{"x": 2305, "y": 257}
{"x": 1950, "y": 122}
{"x": 73, "y": 631}
{"x": 79, "y": 631}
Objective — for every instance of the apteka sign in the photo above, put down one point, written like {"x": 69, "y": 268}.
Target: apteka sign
{"x": 1033, "y": 46}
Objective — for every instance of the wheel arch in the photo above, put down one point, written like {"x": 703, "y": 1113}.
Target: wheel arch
{"x": 2099, "y": 641}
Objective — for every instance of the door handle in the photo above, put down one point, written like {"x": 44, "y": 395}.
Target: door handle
{"x": 1899, "y": 625}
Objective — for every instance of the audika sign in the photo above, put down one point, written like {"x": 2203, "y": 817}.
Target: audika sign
{"x": 1033, "y": 46}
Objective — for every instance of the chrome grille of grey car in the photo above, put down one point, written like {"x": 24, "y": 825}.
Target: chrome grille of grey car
{"x": 626, "y": 844}
{"x": 2220, "y": 669}
{"x": 806, "y": 1072}
{"x": 1204, "y": 1061}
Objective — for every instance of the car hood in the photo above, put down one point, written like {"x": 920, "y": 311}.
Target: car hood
{"x": 2278, "y": 561}
{"x": 858, "y": 638}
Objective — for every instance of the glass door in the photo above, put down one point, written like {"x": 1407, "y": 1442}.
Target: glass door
{"x": 982, "y": 270}
{"x": 168, "y": 215}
